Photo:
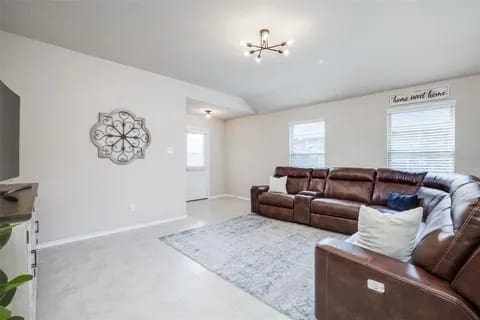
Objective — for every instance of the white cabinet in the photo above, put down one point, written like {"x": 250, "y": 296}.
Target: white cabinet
{"x": 19, "y": 256}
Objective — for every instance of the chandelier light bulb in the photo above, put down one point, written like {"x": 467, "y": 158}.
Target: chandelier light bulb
{"x": 286, "y": 52}
{"x": 290, "y": 42}
{"x": 246, "y": 53}
{"x": 258, "y": 59}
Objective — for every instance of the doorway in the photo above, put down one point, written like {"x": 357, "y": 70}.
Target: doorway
{"x": 197, "y": 166}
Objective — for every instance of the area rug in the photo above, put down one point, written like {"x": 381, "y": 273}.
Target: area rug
{"x": 270, "y": 259}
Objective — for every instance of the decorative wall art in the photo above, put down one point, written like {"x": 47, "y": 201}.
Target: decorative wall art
{"x": 120, "y": 136}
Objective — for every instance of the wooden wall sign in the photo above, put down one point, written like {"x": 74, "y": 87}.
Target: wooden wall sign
{"x": 430, "y": 94}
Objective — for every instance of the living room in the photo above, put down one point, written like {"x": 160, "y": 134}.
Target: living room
{"x": 239, "y": 159}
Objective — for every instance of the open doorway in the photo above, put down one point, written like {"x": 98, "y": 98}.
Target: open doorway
{"x": 205, "y": 145}
{"x": 198, "y": 169}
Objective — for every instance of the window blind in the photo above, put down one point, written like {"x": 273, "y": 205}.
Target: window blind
{"x": 422, "y": 139}
{"x": 307, "y": 144}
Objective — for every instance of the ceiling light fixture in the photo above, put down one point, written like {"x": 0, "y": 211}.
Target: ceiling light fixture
{"x": 257, "y": 50}
{"x": 208, "y": 114}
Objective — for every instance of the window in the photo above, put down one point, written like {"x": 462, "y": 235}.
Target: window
{"x": 307, "y": 144}
{"x": 195, "y": 150}
{"x": 422, "y": 139}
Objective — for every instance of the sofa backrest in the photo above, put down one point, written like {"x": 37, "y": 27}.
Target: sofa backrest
{"x": 388, "y": 181}
{"x": 452, "y": 226}
{"x": 318, "y": 180}
{"x": 297, "y": 178}
{"x": 355, "y": 184}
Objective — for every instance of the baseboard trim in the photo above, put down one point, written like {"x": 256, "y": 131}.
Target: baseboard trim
{"x": 227, "y": 195}
{"x": 224, "y": 195}
{"x": 64, "y": 241}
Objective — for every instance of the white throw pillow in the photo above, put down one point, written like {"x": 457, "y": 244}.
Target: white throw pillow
{"x": 278, "y": 184}
{"x": 391, "y": 234}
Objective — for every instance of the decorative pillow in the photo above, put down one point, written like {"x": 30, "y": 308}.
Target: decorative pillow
{"x": 402, "y": 202}
{"x": 393, "y": 235}
{"x": 278, "y": 184}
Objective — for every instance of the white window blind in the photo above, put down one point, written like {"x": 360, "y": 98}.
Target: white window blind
{"x": 195, "y": 150}
{"x": 422, "y": 139}
{"x": 307, "y": 144}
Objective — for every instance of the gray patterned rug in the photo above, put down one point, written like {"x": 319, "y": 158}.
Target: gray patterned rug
{"x": 270, "y": 259}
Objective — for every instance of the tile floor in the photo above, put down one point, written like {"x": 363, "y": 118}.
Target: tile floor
{"x": 133, "y": 275}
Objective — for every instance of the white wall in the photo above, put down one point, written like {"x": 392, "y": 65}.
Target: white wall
{"x": 61, "y": 94}
{"x": 355, "y": 135}
{"x": 216, "y": 128}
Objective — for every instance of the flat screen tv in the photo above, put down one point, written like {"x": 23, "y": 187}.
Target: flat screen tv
{"x": 9, "y": 133}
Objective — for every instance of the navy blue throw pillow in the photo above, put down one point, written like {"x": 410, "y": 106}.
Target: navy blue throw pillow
{"x": 402, "y": 202}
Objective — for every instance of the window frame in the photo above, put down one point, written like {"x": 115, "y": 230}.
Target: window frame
{"x": 448, "y": 103}
{"x": 290, "y": 130}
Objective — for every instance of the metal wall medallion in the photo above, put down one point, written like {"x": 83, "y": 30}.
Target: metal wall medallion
{"x": 120, "y": 136}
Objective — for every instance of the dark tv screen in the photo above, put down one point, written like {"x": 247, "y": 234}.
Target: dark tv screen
{"x": 9, "y": 133}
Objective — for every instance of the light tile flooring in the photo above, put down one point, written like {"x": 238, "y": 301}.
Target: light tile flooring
{"x": 133, "y": 275}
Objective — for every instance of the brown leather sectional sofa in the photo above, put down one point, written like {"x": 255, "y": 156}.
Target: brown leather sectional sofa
{"x": 442, "y": 280}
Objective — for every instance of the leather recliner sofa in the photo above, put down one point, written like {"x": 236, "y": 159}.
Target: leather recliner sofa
{"x": 441, "y": 281}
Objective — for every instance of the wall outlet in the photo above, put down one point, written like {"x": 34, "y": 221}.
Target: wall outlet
{"x": 170, "y": 150}
{"x": 133, "y": 208}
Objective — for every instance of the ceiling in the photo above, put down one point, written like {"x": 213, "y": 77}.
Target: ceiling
{"x": 342, "y": 48}
{"x": 197, "y": 107}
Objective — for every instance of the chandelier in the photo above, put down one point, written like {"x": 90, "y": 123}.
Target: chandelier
{"x": 257, "y": 50}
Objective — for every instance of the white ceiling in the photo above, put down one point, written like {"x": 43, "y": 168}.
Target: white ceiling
{"x": 197, "y": 107}
{"x": 367, "y": 46}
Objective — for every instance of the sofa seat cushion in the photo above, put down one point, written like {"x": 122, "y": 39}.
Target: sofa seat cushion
{"x": 277, "y": 199}
{"x": 336, "y": 208}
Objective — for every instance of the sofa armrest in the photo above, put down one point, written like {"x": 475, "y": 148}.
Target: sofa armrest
{"x": 355, "y": 283}
{"x": 311, "y": 193}
{"x": 255, "y": 191}
{"x": 466, "y": 280}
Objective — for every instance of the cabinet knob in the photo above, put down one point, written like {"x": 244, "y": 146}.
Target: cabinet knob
{"x": 37, "y": 226}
